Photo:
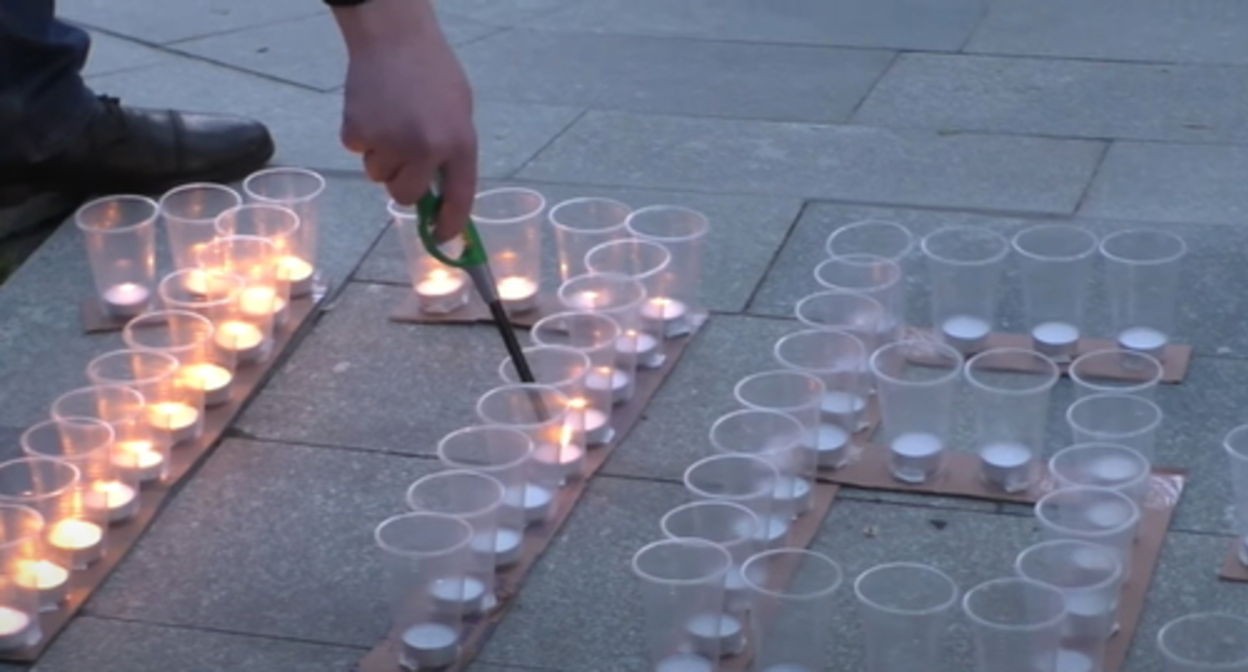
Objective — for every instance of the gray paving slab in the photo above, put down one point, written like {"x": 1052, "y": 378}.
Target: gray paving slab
{"x": 91, "y": 643}
{"x": 1150, "y": 30}
{"x": 673, "y": 76}
{"x": 890, "y": 24}
{"x": 361, "y": 380}
{"x": 46, "y": 351}
{"x": 841, "y": 162}
{"x": 305, "y": 51}
{"x": 112, "y": 54}
{"x": 10, "y": 446}
{"x": 315, "y": 576}
{"x": 1169, "y": 183}
{"x": 511, "y": 134}
{"x": 135, "y": 18}
{"x": 1067, "y": 98}
{"x": 745, "y": 232}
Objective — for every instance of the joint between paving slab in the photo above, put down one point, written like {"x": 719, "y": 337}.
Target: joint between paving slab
{"x": 775, "y": 257}
{"x": 511, "y": 175}
{"x": 871, "y": 89}
{"x": 979, "y": 23}
{"x": 1096, "y": 170}
{"x": 221, "y": 631}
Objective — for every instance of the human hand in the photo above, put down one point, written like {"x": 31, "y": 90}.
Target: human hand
{"x": 407, "y": 107}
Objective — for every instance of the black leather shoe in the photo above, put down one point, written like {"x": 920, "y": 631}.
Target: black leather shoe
{"x": 135, "y": 150}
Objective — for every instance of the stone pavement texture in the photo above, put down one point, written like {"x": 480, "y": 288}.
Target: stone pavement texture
{"x": 782, "y": 120}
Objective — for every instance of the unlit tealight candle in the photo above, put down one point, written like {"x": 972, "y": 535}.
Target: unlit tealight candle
{"x": 716, "y": 634}
{"x": 1055, "y": 338}
{"x": 966, "y": 332}
{"x": 833, "y": 445}
{"x": 792, "y": 494}
{"x": 1143, "y": 339}
{"x": 684, "y": 662}
{"x": 504, "y": 547}
{"x": 915, "y": 456}
{"x": 1006, "y": 465}
{"x": 461, "y": 595}
{"x": 430, "y": 645}
{"x": 534, "y": 499}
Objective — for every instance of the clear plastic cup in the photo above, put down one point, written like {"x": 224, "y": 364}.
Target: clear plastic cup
{"x": 838, "y": 358}
{"x": 76, "y": 534}
{"x": 213, "y": 294}
{"x": 541, "y": 412}
{"x": 189, "y": 212}
{"x": 792, "y": 593}
{"x": 878, "y": 277}
{"x": 918, "y": 383}
{"x": 439, "y": 288}
{"x": 1123, "y": 419}
{"x": 21, "y": 600}
{"x": 172, "y": 407}
{"x": 905, "y": 610}
{"x": 565, "y": 369}
{"x": 1016, "y": 624}
{"x": 187, "y": 336}
{"x": 1011, "y": 412}
{"x": 878, "y": 237}
{"x": 504, "y": 454}
{"x": 1090, "y": 580}
{"x": 747, "y": 480}
{"x": 735, "y": 529}
{"x": 137, "y": 445}
{"x": 1236, "y": 446}
{"x": 582, "y": 223}
{"x": 87, "y": 443}
{"x": 300, "y": 190}
{"x": 1102, "y": 465}
{"x": 966, "y": 265}
{"x": 261, "y": 305}
{"x": 1055, "y": 261}
{"x": 1096, "y": 515}
{"x": 120, "y": 235}
{"x": 620, "y": 298}
{"x": 594, "y": 334}
{"x": 424, "y": 556}
{"x": 851, "y": 312}
{"x": 682, "y": 594}
{"x": 1142, "y": 286}
{"x": 509, "y": 220}
{"x": 476, "y": 499}
{"x": 1117, "y": 372}
{"x": 800, "y": 396}
{"x": 649, "y": 263}
{"x": 1205, "y": 642}
{"x": 280, "y": 226}
{"x": 683, "y": 232}
{"x": 777, "y": 438}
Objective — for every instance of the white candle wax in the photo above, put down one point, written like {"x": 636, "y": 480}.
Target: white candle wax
{"x": 1106, "y": 515}
{"x": 118, "y": 500}
{"x": 775, "y": 530}
{"x": 1143, "y": 339}
{"x": 213, "y": 379}
{"x": 833, "y": 444}
{"x": 1073, "y": 661}
{"x": 261, "y": 302}
{"x": 1007, "y": 465}
{"x": 590, "y": 421}
{"x": 716, "y": 634}
{"x": 126, "y": 299}
{"x": 297, "y": 272}
{"x": 81, "y": 541}
{"x": 605, "y": 378}
{"x": 430, "y": 645}
{"x": 562, "y": 464}
{"x": 842, "y": 408}
{"x": 1058, "y": 338}
{"x": 1089, "y": 612}
{"x": 792, "y": 494}
{"x": 965, "y": 331}
{"x": 641, "y": 345}
{"x": 517, "y": 293}
{"x": 141, "y": 456}
{"x": 47, "y": 577}
{"x": 180, "y": 421}
{"x": 672, "y": 314}
{"x": 684, "y": 662}
{"x": 504, "y": 546}
{"x": 195, "y": 281}
{"x": 461, "y": 595}
{"x": 15, "y": 628}
{"x": 442, "y": 291}
{"x": 1113, "y": 469}
{"x": 244, "y": 339}
{"x": 915, "y": 456}
{"x": 533, "y": 499}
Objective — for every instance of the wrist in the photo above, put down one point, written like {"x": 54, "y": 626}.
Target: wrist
{"x": 381, "y": 22}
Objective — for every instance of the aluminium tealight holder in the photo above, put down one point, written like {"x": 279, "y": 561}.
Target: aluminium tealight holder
{"x": 965, "y": 265}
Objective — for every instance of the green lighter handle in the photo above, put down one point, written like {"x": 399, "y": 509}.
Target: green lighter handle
{"x": 426, "y": 213}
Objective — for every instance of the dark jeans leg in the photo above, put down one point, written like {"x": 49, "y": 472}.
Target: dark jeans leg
{"x": 43, "y": 101}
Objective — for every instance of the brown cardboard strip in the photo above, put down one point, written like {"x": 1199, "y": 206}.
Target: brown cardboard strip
{"x": 1155, "y": 515}
{"x": 1232, "y": 569}
{"x": 184, "y": 458}
{"x": 472, "y": 312}
{"x": 384, "y": 657}
{"x": 1174, "y": 361}
{"x": 958, "y": 477}
{"x": 95, "y": 320}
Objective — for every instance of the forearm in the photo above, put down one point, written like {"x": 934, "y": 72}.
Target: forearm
{"x": 378, "y": 22}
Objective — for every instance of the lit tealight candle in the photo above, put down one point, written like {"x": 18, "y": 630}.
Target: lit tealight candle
{"x": 15, "y": 628}
{"x": 564, "y": 464}
{"x": 297, "y": 272}
{"x": 213, "y": 379}
{"x": 716, "y": 634}
{"x": 261, "y": 302}
{"x": 915, "y": 456}
{"x": 47, "y": 577}
{"x": 517, "y": 293}
{"x": 586, "y": 300}
{"x": 671, "y": 313}
{"x": 604, "y": 378}
{"x": 180, "y": 420}
{"x": 441, "y": 291}
{"x": 641, "y": 345}
{"x": 591, "y": 421}
{"x": 141, "y": 456}
{"x": 195, "y": 281}
{"x": 118, "y": 500}
{"x": 429, "y": 645}
{"x": 244, "y": 339}
{"x": 1143, "y": 339}
{"x": 126, "y": 299}
{"x": 965, "y": 332}
{"x": 1006, "y": 465}
{"x": 81, "y": 540}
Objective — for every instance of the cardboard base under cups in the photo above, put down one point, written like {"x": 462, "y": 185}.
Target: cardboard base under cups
{"x": 123, "y": 536}
{"x": 1175, "y": 360}
{"x": 385, "y": 656}
{"x": 1233, "y": 568}
{"x": 96, "y": 319}
{"x": 475, "y": 311}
